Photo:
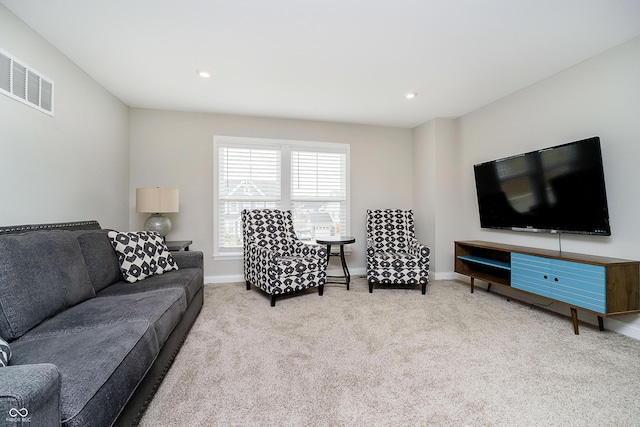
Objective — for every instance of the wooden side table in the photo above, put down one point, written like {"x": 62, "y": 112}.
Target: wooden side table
{"x": 341, "y": 241}
{"x": 178, "y": 245}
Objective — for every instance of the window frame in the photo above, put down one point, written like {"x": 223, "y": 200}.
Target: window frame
{"x": 285, "y": 148}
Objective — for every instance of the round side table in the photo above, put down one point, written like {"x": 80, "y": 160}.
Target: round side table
{"x": 341, "y": 241}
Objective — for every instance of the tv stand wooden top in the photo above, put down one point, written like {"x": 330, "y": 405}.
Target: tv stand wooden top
{"x": 548, "y": 253}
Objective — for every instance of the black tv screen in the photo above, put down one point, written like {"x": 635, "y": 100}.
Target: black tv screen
{"x": 556, "y": 190}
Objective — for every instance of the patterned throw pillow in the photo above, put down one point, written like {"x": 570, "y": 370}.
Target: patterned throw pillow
{"x": 141, "y": 254}
{"x": 164, "y": 260}
{"x": 5, "y": 353}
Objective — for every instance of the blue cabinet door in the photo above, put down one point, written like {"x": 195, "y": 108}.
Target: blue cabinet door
{"x": 531, "y": 274}
{"x": 574, "y": 283}
{"x": 580, "y": 285}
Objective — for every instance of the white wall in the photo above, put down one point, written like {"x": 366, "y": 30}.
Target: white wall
{"x": 599, "y": 97}
{"x": 436, "y": 184}
{"x": 425, "y": 185}
{"x": 73, "y": 166}
{"x": 175, "y": 149}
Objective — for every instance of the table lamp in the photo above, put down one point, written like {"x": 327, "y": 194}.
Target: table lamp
{"x": 157, "y": 201}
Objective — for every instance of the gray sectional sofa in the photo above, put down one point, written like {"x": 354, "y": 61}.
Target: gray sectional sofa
{"x": 87, "y": 348}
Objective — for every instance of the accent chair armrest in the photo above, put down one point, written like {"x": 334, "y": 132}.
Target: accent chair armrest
{"x": 265, "y": 254}
{"x": 419, "y": 250}
{"x": 309, "y": 249}
{"x": 371, "y": 247}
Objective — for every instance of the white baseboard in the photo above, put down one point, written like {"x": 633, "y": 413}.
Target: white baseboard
{"x": 624, "y": 328}
{"x": 234, "y": 278}
{"x": 446, "y": 275}
{"x": 357, "y": 271}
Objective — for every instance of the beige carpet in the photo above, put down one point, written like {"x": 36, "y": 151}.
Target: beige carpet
{"x": 394, "y": 358}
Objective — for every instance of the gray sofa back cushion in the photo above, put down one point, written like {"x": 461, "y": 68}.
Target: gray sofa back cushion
{"x": 41, "y": 273}
{"x": 99, "y": 257}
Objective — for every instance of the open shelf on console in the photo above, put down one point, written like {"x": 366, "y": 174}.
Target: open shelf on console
{"x": 486, "y": 261}
{"x": 483, "y": 263}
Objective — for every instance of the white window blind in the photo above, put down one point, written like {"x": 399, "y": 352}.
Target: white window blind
{"x": 248, "y": 178}
{"x": 318, "y": 191}
{"x": 311, "y": 179}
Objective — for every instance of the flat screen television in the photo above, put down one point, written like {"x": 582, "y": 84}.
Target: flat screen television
{"x": 555, "y": 190}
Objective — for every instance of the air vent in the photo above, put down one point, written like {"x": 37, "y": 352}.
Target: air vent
{"x": 23, "y": 83}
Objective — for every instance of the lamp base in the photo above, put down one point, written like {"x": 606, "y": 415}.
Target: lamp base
{"x": 158, "y": 222}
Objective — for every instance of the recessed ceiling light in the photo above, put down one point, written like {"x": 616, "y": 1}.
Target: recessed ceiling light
{"x": 410, "y": 95}
{"x": 204, "y": 74}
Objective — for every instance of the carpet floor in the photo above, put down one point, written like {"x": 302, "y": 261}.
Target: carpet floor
{"x": 394, "y": 358}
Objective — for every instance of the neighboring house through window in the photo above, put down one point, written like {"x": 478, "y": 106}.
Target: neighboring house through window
{"x": 308, "y": 178}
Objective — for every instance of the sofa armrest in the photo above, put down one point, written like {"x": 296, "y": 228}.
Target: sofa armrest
{"x": 188, "y": 259}
{"x": 30, "y": 394}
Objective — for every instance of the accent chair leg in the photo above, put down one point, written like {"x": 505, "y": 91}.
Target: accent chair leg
{"x": 370, "y": 287}
{"x": 248, "y": 285}
{"x": 320, "y": 290}
{"x": 273, "y": 300}
{"x": 424, "y": 288}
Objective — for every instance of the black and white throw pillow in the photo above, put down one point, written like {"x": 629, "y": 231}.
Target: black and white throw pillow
{"x": 141, "y": 254}
{"x": 163, "y": 258}
{"x": 5, "y": 353}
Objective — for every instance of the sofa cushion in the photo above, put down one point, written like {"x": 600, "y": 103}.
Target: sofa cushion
{"x": 100, "y": 257}
{"x": 100, "y": 367}
{"x": 5, "y": 353}
{"x": 162, "y": 308}
{"x": 41, "y": 273}
{"x": 188, "y": 279}
{"x": 141, "y": 254}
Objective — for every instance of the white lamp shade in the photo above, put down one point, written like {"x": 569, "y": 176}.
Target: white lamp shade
{"x": 157, "y": 200}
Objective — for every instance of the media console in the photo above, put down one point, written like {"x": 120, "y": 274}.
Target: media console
{"x": 601, "y": 285}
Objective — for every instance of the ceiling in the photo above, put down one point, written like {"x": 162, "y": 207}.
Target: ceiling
{"x": 331, "y": 60}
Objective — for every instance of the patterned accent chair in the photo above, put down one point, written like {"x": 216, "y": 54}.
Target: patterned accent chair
{"x": 394, "y": 255}
{"x": 275, "y": 260}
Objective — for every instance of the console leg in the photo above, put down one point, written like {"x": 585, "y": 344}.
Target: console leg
{"x": 574, "y": 318}
{"x": 488, "y": 287}
{"x": 601, "y": 323}
{"x": 472, "y": 283}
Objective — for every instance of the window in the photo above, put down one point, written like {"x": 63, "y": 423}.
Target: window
{"x": 310, "y": 178}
